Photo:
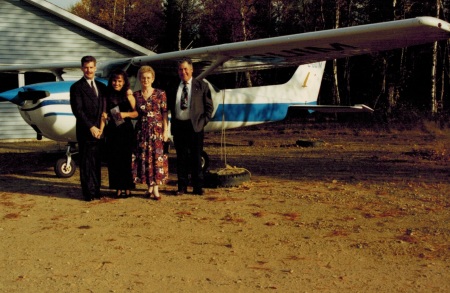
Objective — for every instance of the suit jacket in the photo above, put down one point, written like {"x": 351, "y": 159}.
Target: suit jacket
{"x": 87, "y": 107}
{"x": 201, "y": 104}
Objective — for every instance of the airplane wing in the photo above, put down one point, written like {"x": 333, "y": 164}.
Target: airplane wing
{"x": 291, "y": 50}
{"x": 308, "y": 47}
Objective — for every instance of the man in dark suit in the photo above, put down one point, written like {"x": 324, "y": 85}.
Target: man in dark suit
{"x": 87, "y": 102}
{"x": 191, "y": 108}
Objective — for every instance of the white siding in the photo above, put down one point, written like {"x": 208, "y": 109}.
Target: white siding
{"x": 11, "y": 123}
{"x": 30, "y": 34}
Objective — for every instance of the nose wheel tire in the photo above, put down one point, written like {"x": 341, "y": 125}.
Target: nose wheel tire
{"x": 64, "y": 170}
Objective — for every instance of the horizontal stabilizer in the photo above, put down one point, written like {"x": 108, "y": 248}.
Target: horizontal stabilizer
{"x": 336, "y": 109}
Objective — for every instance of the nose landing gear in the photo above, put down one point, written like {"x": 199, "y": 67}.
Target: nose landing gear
{"x": 65, "y": 167}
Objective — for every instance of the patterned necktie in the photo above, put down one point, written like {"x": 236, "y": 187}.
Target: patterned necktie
{"x": 184, "y": 97}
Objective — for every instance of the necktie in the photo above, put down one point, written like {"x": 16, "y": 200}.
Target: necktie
{"x": 184, "y": 97}
{"x": 93, "y": 87}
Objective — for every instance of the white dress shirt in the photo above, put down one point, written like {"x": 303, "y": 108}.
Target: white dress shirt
{"x": 92, "y": 84}
{"x": 183, "y": 114}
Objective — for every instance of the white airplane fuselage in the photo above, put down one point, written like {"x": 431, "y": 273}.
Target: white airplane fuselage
{"x": 52, "y": 116}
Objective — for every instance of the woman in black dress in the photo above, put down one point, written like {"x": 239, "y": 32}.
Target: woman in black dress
{"x": 119, "y": 138}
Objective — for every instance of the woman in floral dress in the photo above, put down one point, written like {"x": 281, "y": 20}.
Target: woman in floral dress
{"x": 150, "y": 164}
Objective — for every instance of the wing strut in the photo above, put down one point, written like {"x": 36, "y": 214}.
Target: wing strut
{"x": 213, "y": 66}
{"x": 58, "y": 72}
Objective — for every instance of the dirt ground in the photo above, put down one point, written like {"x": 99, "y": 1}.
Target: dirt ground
{"x": 361, "y": 211}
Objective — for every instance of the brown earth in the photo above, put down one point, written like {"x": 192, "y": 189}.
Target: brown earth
{"x": 362, "y": 211}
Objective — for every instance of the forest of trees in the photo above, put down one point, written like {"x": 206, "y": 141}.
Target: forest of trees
{"x": 409, "y": 80}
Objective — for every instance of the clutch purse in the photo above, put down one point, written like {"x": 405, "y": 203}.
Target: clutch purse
{"x": 115, "y": 113}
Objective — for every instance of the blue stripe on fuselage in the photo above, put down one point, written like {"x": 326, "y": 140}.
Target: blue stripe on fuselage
{"x": 233, "y": 112}
{"x": 253, "y": 112}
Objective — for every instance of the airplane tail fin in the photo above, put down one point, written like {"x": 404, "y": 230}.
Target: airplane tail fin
{"x": 304, "y": 86}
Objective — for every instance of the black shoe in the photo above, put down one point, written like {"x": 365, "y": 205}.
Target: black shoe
{"x": 198, "y": 191}
{"x": 181, "y": 191}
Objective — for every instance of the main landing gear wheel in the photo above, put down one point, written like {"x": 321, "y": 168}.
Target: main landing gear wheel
{"x": 65, "y": 169}
{"x": 205, "y": 161}
{"x": 227, "y": 177}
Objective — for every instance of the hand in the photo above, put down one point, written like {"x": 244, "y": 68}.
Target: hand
{"x": 97, "y": 133}
{"x": 166, "y": 136}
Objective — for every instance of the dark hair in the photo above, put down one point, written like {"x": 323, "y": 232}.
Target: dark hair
{"x": 87, "y": 59}
{"x": 115, "y": 74}
{"x": 185, "y": 59}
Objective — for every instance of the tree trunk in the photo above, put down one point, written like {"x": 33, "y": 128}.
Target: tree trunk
{"x": 180, "y": 29}
{"x": 113, "y": 20}
{"x": 434, "y": 103}
{"x": 337, "y": 98}
{"x": 248, "y": 78}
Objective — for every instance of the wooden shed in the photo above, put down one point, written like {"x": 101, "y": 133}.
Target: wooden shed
{"x": 36, "y": 31}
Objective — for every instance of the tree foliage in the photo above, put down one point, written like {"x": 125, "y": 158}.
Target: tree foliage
{"x": 385, "y": 81}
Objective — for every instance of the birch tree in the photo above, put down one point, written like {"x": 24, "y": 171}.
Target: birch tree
{"x": 434, "y": 101}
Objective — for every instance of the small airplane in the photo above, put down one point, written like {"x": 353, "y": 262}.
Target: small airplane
{"x": 46, "y": 107}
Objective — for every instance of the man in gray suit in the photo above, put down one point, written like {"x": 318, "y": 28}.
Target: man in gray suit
{"x": 191, "y": 108}
{"x": 87, "y": 102}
